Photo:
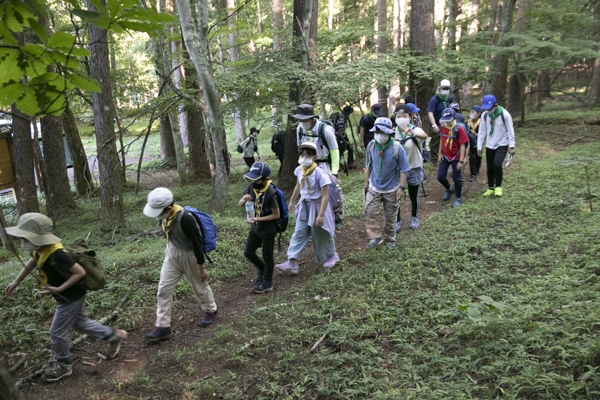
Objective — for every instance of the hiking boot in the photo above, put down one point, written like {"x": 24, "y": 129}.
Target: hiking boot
{"x": 488, "y": 192}
{"x": 398, "y": 226}
{"x": 209, "y": 318}
{"x": 115, "y": 341}
{"x": 290, "y": 266}
{"x": 58, "y": 370}
{"x": 448, "y": 193}
{"x": 373, "y": 243}
{"x": 259, "y": 278}
{"x": 158, "y": 334}
{"x": 331, "y": 261}
{"x": 414, "y": 222}
{"x": 457, "y": 202}
{"x": 472, "y": 178}
{"x": 498, "y": 191}
{"x": 263, "y": 287}
{"x": 390, "y": 245}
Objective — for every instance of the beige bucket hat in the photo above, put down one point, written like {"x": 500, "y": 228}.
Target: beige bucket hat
{"x": 35, "y": 227}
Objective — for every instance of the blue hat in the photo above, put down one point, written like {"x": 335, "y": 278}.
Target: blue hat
{"x": 258, "y": 170}
{"x": 448, "y": 115}
{"x": 488, "y": 101}
{"x": 455, "y": 107}
{"x": 476, "y": 108}
{"x": 413, "y": 108}
{"x": 384, "y": 125}
{"x": 376, "y": 108}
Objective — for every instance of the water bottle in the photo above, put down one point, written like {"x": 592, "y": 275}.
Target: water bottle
{"x": 249, "y": 210}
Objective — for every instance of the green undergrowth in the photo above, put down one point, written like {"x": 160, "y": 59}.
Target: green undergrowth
{"x": 495, "y": 299}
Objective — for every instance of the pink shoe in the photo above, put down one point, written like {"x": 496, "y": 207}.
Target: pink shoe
{"x": 331, "y": 261}
{"x": 290, "y": 266}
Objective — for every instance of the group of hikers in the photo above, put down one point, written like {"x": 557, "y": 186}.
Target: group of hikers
{"x": 395, "y": 155}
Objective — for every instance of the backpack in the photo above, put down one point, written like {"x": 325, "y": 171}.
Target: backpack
{"x": 284, "y": 217}
{"x": 207, "y": 229}
{"x": 240, "y": 149}
{"x": 95, "y": 275}
{"x": 321, "y": 136}
{"x": 334, "y": 195}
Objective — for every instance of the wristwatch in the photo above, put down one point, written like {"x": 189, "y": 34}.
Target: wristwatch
{"x": 403, "y": 187}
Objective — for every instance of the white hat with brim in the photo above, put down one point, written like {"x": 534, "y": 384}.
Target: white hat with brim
{"x": 36, "y": 228}
{"x": 158, "y": 199}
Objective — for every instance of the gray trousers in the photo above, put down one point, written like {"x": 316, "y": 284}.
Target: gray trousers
{"x": 72, "y": 315}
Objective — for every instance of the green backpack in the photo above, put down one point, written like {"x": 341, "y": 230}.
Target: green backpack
{"x": 95, "y": 275}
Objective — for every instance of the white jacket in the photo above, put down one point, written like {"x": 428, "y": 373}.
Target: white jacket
{"x": 250, "y": 145}
{"x": 504, "y": 133}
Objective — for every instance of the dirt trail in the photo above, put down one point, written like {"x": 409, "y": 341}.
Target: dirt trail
{"x": 234, "y": 300}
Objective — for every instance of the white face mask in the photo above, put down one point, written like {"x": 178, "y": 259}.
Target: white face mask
{"x": 306, "y": 125}
{"x": 305, "y": 161}
{"x": 402, "y": 122}
{"x": 444, "y": 92}
{"x": 28, "y": 246}
{"x": 382, "y": 138}
{"x": 472, "y": 116}
{"x": 163, "y": 215}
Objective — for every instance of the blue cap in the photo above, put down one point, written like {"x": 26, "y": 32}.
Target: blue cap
{"x": 448, "y": 115}
{"x": 488, "y": 101}
{"x": 258, "y": 170}
{"x": 476, "y": 108}
{"x": 384, "y": 125}
{"x": 455, "y": 107}
{"x": 413, "y": 108}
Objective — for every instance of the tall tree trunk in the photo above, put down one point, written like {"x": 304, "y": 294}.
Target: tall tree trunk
{"x": 111, "y": 181}
{"x": 25, "y": 188}
{"x": 331, "y": 11}
{"x": 543, "y": 89}
{"x": 196, "y": 42}
{"x": 516, "y": 101}
{"x": 452, "y": 6}
{"x": 594, "y": 86}
{"x": 58, "y": 196}
{"x": 178, "y": 80}
{"x": 383, "y": 88}
{"x": 499, "y": 70}
{"x": 234, "y": 56}
{"x": 277, "y": 41}
{"x": 84, "y": 185}
{"x": 167, "y": 145}
{"x": 422, "y": 41}
{"x": 467, "y": 92}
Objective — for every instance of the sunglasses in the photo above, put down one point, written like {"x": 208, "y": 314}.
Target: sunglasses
{"x": 445, "y": 88}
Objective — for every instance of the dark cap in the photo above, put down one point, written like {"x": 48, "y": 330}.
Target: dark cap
{"x": 376, "y": 109}
{"x": 304, "y": 111}
{"x": 448, "y": 115}
{"x": 402, "y": 107}
{"x": 253, "y": 129}
{"x": 258, "y": 170}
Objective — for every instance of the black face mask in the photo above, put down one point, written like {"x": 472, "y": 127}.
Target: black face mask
{"x": 257, "y": 185}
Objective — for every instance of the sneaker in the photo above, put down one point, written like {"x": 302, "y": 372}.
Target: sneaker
{"x": 290, "y": 266}
{"x": 398, "y": 226}
{"x": 457, "y": 202}
{"x": 472, "y": 178}
{"x": 373, "y": 243}
{"x": 115, "y": 341}
{"x": 331, "y": 261}
{"x": 158, "y": 334}
{"x": 209, "y": 318}
{"x": 338, "y": 225}
{"x": 390, "y": 245}
{"x": 414, "y": 222}
{"x": 259, "y": 278}
{"x": 58, "y": 370}
{"x": 488, "y": 192}
{"x": 498, "y": 191}
{"x": 263, "y": 287}
{"x": 448, "y": 193}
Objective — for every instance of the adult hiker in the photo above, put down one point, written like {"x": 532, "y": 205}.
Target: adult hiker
{"x": 497, "y": 132}
{"x": 59, "y": 275}
{"x": 385, "y": 183}
{"x": 440, "y": 101}
{"x": 184, "y": 255}
{"x": 411, "y": 138}
{"x": 250, "y": 146}
{"x": 366, "y": 125}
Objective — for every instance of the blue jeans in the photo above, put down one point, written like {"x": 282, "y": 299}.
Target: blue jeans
{"x": 323, "y": 243}
{"x": 456, "y": 176}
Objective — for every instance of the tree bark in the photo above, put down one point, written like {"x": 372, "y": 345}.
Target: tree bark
{"x": 543, "y": 89}
{"x": 499, "y": 70}
{"x": 383, "y": 88}
{"x": 58, "y": 196}
{"x": 84, "y": 185}
{"x": 422, "y": 41}
{"x": 467, "y": 92}
{"x": 7, "y": 387}
{"x": 594, "y": 86}
{"x": 111, "y": 181}
{"x": 167, "y": 145}
{"x": 25, "y": 188}
{"x": 277, "y": 24}
{"x": 234, "y": 56}
{"x": 516, "y": 101}
{"x": 196, "y": 42}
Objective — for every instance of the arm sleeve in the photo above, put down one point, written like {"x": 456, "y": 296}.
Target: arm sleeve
{"x": 510, "y": 130}
{"x": 483, "y": 131}
{"x": 329, "y": 136}
{"x": 403, "y": 164}
{"x": 191, "y": 227}
{"x": 432, "y": 104}
{"x": 63, "y": 262}
{"x": 368, "y": 156}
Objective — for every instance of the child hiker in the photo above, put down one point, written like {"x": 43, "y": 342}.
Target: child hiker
{"x": 184, "y": 255}
{"x": 314, "y": 215}
{"x": 452, "y": 152}
{"x": 60, "y": 275}
{"x": 262, "y": 224}
{"x": 385, "y": 182}
{"x": 473, "y": 127}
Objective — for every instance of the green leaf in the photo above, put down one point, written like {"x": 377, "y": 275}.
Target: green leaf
{"x": 28, "y": 104}
{"x": 38, "y": 29}
{"x": 11, "y": 70}
{"x": 87, "y": 15}
{"x": 474, "y": 312}
{"x": 33, "y": 50}
{"x": 85, "y": 83}
{"x": 61, "y": 40}
{"x": 146, "y": 14}
{"x": 486, "y": 299}
{"x": 11, "y": 93}
{"x": 7, "y": 36}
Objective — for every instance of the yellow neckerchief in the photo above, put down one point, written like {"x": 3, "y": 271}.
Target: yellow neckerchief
{"x": 41, "y": 256}
{"x": 257, "y": 195}
{"x": 450, "y": 138}
{"x": 305, "y": 173}
{"x": 166, "y": 223}
{"x": 474, "y": 125}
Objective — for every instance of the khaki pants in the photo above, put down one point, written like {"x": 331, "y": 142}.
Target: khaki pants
{"x": 179, "y": 262}
{"x": 390, "y": 210}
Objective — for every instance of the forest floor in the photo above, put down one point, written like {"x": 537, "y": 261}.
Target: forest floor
{"x": 95, "y": 378}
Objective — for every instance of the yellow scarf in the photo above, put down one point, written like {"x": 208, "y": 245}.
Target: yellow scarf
{"x": 474, "y": 124}
{"x": 257, "y": 195}
{"x": 305, "y": 173}
{"x": 450, "y": 138}
{"x": 166, "y": 223}
{"x": 41, "y": 256}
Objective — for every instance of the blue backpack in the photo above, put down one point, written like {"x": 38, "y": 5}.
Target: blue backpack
{"x": 207, "y": 229}
{"x": 284, "y": 217}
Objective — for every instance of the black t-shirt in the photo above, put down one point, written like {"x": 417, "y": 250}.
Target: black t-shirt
{"x": 268, "y": 202}
{"x": 367, "y": 123}
{"x": 60, "y": 261}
